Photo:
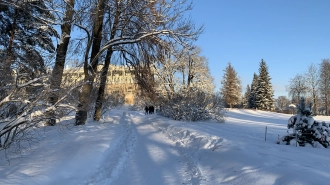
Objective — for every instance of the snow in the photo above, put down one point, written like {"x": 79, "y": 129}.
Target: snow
{"x": 128, "y": 147}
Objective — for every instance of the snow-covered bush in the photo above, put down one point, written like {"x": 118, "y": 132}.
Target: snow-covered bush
{"x": 193, "y": 105}
{"x": 306, "y": 129}
{"x": 293, "y": 108}
{"x": 24, "y": 108}
{"x": 20, "y": 112}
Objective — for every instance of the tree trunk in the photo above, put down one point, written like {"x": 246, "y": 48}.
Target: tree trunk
{"x": 100, "y": 95}
{"x": 190, "y": 76}
{"x": 314, "y": 102}
{"x": 326, "y": 105}
{"x": 61, "y": 50}
{"x": 84, "y": 96}
{"x": 104, "y": 74}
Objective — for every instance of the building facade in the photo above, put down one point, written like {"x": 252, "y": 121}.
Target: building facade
{"x": 120, "y": 79}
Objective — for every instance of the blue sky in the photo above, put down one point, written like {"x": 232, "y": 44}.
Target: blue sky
{"x": 288, "y": 34}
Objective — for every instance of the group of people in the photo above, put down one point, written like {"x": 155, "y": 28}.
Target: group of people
{"x": 149, "y": 110}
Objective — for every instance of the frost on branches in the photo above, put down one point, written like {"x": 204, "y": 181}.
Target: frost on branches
{"x": 194, "y": 105}
{"x": 306, "y": 129}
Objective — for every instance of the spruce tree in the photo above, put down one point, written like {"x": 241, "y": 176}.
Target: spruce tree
{"x": 264, "y": 90}
{"x": 231, "y": 86}
{"x": 26, "y": 34}
{"x": 252, "y": 96}
{"x": 246, "y": 97}
{"x": 305, "y": 129}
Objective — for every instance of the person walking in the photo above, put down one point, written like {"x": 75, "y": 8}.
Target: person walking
{"x": 146, "y": 110}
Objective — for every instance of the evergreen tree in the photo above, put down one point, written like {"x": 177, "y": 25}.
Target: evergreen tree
{"x": 252, "y": 96}
{"x": 25, "y": 32}
{"x": 306, "y": 129}
{"x": 246, "y": 97}
{"x": 264, "y": 90}
{"x": 231, "y": 86}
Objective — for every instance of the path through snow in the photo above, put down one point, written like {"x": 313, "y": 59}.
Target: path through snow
{"x": 133, "y": 148}
{"x": 158, "y": 156}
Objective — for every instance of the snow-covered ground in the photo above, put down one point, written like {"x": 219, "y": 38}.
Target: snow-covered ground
{"x": 130, "y": 148}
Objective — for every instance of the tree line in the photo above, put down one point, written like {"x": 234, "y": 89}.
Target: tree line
{"x": 259, "y": 95}
{"x": 314, "y": 85}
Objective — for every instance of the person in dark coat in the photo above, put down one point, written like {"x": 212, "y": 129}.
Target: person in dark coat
{"x": 146, "y": 110}
{"x": 151, "y": 109}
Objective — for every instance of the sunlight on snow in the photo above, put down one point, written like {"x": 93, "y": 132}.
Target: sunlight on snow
{"x": 156, "y": 153}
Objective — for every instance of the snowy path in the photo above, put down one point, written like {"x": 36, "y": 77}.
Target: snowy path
{"x": 62, "y": 155}
{"x": 114, "y": 161}
{"x": 131, "y": 148}
{"x": 153, "y": 157}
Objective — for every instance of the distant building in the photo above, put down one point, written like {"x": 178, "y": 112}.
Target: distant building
{"x": 119, "y": 80}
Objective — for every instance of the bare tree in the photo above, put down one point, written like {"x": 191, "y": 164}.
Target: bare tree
{"x": 90, "y": 68}
{"x": 151, "y": 23}
{"x": 181, "y": 71}
{"x": 297, "y": 88}
{"x": 113, "y": 24}
{"x": 324, "y": 84}
{"x": 282, "y": 103}
{"x": 312, "y": 82}
{"x": 61, "y": 52}
{"x": 197, "y": 72}
{"x": 184, "y": 87}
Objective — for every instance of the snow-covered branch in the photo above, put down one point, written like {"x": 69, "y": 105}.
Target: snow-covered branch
{"x": 130, "y": 40}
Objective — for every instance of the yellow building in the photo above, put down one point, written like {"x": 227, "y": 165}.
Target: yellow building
{"x": 119, "y": 80}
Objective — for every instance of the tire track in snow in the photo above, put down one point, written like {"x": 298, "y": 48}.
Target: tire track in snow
{"x": 116, "y": 159}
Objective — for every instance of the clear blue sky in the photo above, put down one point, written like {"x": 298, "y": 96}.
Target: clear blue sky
{"x": 288, "y": 34}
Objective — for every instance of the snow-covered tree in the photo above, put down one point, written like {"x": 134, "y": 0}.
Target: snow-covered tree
{"x": 246, "y": 97}
{"x": 90, "y": 67}
{"x": 61, "y": 53}
{"x": 264, "y": 89}
{"x": 252, "y": 97}
{"x": 154, "y": 24}
{"x": 25, "y": 39}
{"x": 184, "y": 88}
{"x": 231, "y": 86}
{"x": 306, "y": 129}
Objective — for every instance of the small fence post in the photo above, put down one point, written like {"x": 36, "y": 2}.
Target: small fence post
{"x": 296, "y": 139}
